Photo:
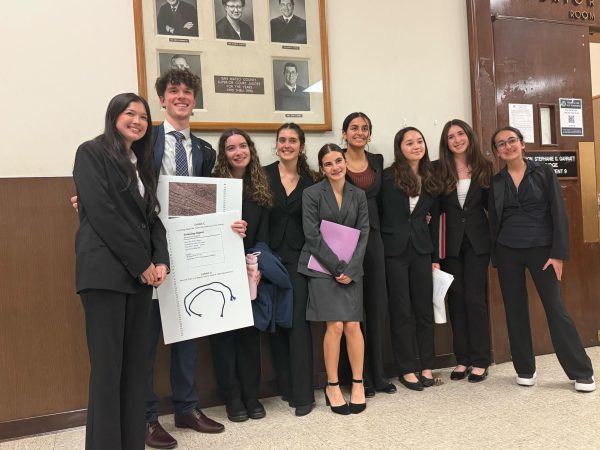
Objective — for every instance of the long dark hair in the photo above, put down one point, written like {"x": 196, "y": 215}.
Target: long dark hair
{"x": 114, "y": 144}
{"x": 256, "y": 182}
{"x": 481, "y": 167}
{"x": 302, "y": 167}
{"x": 404, "y": 178}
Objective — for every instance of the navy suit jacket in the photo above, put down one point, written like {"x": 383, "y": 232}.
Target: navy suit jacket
{"x": 203, "y": 155}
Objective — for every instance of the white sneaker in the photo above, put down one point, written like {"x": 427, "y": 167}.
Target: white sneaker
{"x": 526, "y": 380}
{"x": 585, "y": 384}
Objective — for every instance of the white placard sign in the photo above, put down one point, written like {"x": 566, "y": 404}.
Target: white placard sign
{"x": 571, "y": 116}
{"x": 207, "y": 290}
{"x": 520, "y": 116}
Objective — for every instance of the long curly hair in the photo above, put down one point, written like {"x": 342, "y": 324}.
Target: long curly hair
{"x": 481, "y": 167}
{"x": 302, "y": 166}
{"x": 404, "y": 178}
{"x": 256, "y": 182}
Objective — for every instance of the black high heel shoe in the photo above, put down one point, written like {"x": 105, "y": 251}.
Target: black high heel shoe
{"x": 356, "y": 408}
{"x": 344, "y": 409}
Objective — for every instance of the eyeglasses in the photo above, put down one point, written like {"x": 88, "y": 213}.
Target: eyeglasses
{"x": 510, "y": 141}
{"x": 235, "y": 7}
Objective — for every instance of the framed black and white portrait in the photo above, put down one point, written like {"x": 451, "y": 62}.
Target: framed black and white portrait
{"x": 234, "y": 20}
{"x": 291, "y": 85}
{"x": 288, "y": 21}
{"x": 261, "y": 62}
{"x": 177, "y": 17}
{"x": 187, "y": 61}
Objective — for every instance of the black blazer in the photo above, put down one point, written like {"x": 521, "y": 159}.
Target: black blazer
{"x": 116, "y": 240}
{"x": 319, "y": 203}
{"x": 545, "y": 178}
{"x": 285, "y": 218}
{"x": 376, "y": 163}
{"x": 203, "y": 155}
{"x": 258, "y": 223}
{"x": 399, "y": 225}
{"x": 471, "y": 220}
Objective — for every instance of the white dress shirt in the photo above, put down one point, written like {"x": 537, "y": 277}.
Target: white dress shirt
{"x": 168, "y": 161}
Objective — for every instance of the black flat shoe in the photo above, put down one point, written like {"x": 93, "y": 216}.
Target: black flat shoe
{"x": 356, "y": 408}
{"x": 426, "y": 382}
{"x": 255, "y": 409}
{"x": 236, "y": 411}
{"x": 370, "y": 391}
{"x": 390, "y": 388}
{"x": 344, "y": 409}
{"x": 473, "y": 378}
{"x": 303, "y": 410}
{"x": 459, "y": 374}
{"x": 412, "y": 385}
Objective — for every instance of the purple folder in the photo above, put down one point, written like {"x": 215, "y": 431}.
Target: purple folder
{"x": 342, "y": 241}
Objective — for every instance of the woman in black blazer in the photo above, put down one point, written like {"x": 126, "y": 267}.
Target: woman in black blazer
{"x": 465, "y": 175}
{"x": 407, "y": 196}
{"x": 291, "y": 348}
{"x": 530, "y": 230}
{"x": 236, "y": 354}
{"x": 121, "y": 253}
{"x": 364, "y": 170}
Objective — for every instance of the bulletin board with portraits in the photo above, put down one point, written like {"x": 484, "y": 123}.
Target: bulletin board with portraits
{"x": 260, "y": 62}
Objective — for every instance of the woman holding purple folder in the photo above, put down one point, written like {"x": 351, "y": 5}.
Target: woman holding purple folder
{"x": 336, "y": 297}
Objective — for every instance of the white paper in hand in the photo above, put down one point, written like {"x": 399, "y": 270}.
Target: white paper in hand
{"x": 441, "y": 282}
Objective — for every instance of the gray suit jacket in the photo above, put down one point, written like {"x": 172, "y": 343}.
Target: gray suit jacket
{"x": 318, "y": 203}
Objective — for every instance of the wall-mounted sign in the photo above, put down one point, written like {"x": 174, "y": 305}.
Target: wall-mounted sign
{"x": 520, "y": 116}
{"x": 564, "y": 162}
{"x": 571, "y": 116}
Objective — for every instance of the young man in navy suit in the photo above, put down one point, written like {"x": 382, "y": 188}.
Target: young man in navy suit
{"x": 177, "y": 90}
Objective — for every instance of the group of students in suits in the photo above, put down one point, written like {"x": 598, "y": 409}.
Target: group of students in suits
{"x": 121, "y": 254}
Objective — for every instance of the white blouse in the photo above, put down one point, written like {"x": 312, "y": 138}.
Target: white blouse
{"x": 412, "y": 202}
{"x": 462, "y": 187}
{"x": 133, "y": 160}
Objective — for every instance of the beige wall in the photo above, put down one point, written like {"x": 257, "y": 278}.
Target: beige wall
{"x": 403, "y": 64}
{"x": 595, "y": 64}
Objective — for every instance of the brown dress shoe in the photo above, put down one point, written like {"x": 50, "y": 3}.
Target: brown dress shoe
{"x": 157, "y": 436}
{"x": 196, "y": 420}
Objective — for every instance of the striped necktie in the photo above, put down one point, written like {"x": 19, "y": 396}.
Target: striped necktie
{"x": 181, "y": 165}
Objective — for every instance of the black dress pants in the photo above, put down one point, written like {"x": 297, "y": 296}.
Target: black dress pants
{"x": 236, "y": 359}
{"x": 468, "y": 306}
{"x": 410, "y": 297}
{"x": 184, "y": 356}
{"x": 375, "y": 305}
{"x": 292, "y": 348}
{"x": 117, "y": 328}
{"x": 512, "y": 263}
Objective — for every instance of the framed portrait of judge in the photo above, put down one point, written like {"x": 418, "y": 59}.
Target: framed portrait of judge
{"x": 261, "y": 62}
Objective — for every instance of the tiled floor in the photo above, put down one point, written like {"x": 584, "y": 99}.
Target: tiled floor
{"x": 494, "y": 414}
